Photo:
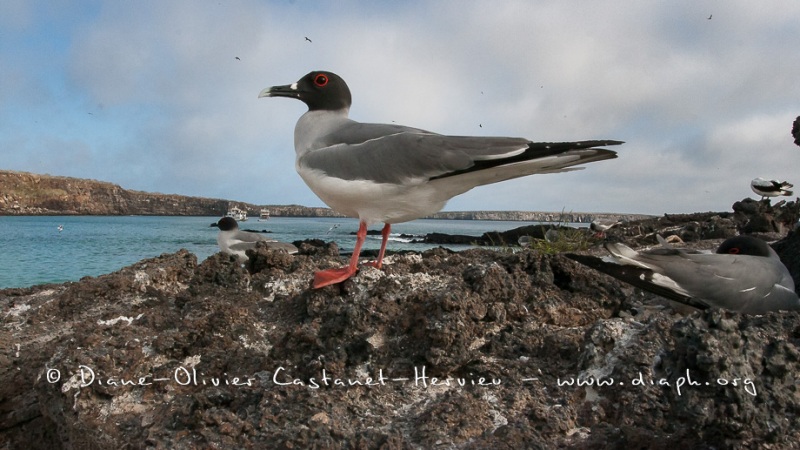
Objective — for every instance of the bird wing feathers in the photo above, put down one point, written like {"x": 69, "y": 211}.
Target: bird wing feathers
{"x": 425, "y": 156}
{"x": 247, "y": 236}
{"x": 751, "y": 284}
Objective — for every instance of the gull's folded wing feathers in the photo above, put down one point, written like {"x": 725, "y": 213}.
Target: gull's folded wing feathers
{"x": 637, "y": 276}
{"x": 396, "y": 154}
{"x": 248, "y": 236}
{"x": 750, "y": 284}
{"x": 423, "y": 156}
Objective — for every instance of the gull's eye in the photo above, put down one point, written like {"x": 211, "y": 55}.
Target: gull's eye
{"x": 320, "y": 80}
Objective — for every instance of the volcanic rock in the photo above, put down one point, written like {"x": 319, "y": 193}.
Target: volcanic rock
{"x": 461, "y": 350}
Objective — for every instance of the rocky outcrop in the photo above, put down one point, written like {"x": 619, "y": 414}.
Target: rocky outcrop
{"x": 31, "y": 194}
{"x": 536, "y": 216}
{"x": 749, "y": 216}
{"x": 469, "y": 350}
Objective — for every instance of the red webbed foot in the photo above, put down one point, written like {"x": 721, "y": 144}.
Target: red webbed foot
{"x": 332, "y": 276}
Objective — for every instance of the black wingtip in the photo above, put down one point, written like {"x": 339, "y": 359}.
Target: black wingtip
{"x": 556, "y": 147}
{"x": 635, "y": 276}
{"x": 607, "y": 143}
{"x": 597, "y": 143}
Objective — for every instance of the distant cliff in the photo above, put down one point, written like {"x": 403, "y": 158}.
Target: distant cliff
{"x": 23, "y": 193}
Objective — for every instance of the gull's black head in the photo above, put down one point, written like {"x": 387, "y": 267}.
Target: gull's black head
{"x": 744, "y": 245}
{"x": 227, "y": 224}
{"x": 319, "y": 90}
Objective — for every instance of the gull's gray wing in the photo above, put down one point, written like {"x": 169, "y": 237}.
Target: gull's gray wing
{"x": 745, "y": 283}
{"x": 241, "y": 246}
{"x": 636, "y": 276}
{"x": 247, "y": 236}
{"x": 269, "y": 243}
{"x": 370, "y": 152}
{"x": 350, "y": 132}
{"x": 751, "y": 284}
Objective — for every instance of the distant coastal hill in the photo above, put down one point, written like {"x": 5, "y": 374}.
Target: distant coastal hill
{"x": 23, "y": 193}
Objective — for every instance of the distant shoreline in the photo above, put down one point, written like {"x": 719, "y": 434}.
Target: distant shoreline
{"x": 489, "y": 216}
{"x": 29, "y": 194}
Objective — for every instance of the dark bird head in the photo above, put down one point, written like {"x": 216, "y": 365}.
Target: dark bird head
{"x": 744, "y": 245}
{"x": 227, "y": 224}
{"x": 321, "y": 91}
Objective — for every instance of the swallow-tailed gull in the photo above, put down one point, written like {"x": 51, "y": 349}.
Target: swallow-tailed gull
{"x": 745, "y": 275}
{"x": 600, "y": 226}
{"x": 391, "y": 173}
{"x": 770, "y": 188}
{"x": 235, "y": 242}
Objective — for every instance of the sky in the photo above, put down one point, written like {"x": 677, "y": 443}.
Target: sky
{"x": 162, "y": 96}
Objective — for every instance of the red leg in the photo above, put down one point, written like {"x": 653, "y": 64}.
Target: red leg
{"x": 333, "y": 276}
{"x": 387, "y": 229}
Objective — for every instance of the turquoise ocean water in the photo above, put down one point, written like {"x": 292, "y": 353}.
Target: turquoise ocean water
{"x": 34, "y": 251}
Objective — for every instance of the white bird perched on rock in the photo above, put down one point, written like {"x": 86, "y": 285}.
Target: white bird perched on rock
{"x": 235, "y": 242}
{"x": 770, "y": 188}
{"x": 600, "y": 226}
{"x": 391, "y": 173}
{"x": 745, "y": 275}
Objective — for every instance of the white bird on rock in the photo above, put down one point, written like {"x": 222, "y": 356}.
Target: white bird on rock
{"x": 600, "y": 226}
{"x": 391, "y": 173}
{"x": 770, "y": 188}
{"x": 745, "y": 275}
{"x": 235, "y": 242}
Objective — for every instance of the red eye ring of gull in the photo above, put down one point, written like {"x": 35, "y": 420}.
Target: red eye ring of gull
{"x": 320, "y": 80}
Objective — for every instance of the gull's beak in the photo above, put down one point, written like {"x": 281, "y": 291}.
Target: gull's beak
{"x": 289, "y": 90}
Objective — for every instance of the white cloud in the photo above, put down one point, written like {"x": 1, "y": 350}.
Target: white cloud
{"x": 704, "y": 105}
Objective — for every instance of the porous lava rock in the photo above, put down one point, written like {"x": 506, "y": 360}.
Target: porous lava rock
{"x": 462, "y": 350}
